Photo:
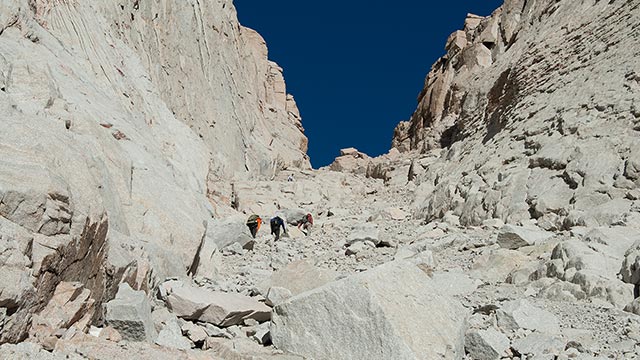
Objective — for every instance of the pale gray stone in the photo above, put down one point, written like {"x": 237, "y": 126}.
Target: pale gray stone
{"x": 495, "y": 265}
{"x": 207, "y": 260}
{"x": 130, "y": 314}
{"x": 412, "y": 249}
{"x": 359, "y": 247}
{"x": 218, "y": 308}
{"x": 520, "y": 314}
{"x": 364, "y": 232}
{"x": 633, "y": 307}
{"x": 195, "y": 333}
{"x": 388, "y": 305}
{"x": 493, "y": 223}
{"x": 630, "y": 270}
{"x": 229, "y": 232}
{"x": 277, "y": 295}
{"x": 300, "y": 276}
{"x": 171, "y": 337}
{"x": 539, "y": 344}
{"x": 489, "y": 344}
{"x": 263, "y": 334}
{"x": 215, "y": 331}
{"x": 514, "y": 237}
{"x": 31, "y": 351}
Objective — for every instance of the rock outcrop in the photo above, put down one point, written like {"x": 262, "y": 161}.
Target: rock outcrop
{"x": 119, "y": 122}
{"x": 130, "y": 314}
{"x": 377, "y": 314}
{"x": 138, "y": 137}
{"x": 532, "y": 113}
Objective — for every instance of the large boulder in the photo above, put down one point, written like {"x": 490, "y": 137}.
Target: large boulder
{"x": 496, "y": 265}
{"x": 218, "y": 308}
{"x": 539, "y": 345}
{"x": 225, "y": 232}
{"x": 520, "y": 314}
{"x": 31, "y": 351}
{"x": 630, "y": 270}
{"x": 489, "y": 344}
{"x": 300, "y": 276}
{"x": 364, "y": 232}
{"x": 207, "y": 260}
{"x": 291, "y": 216}
{"x": 71, "y": 305}
{"x": 130, "y": 314}
{"x": 394, "y": 311}
{"x": 514, "y": 237}
{"x": 594, "y": 264}
{"x": 633, "y": 307}
{"x": 171, "y": 337}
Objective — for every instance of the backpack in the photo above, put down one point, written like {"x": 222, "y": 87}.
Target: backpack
{"x": 253, "y": 219}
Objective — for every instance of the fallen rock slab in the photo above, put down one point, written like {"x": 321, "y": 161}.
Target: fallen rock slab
{"x": 495, "y": 265}
{"x": 359, "y": 247}
{"x": 489, "y": 344}
{"x": 277, "y": 295}
{"x": 520, "y": 314}
{"x": 218, "y": 308}
{"x": 171, "y": 337}
{"x": 394, "y": 311}
{"x": 195, "y": 333}
{"x": 633, "y": 307}
{"x": 130, "y": 314}
{"x": 538, "y": 345}
{"x": 29, "y": 351}
{"x": 393, "y": 213}
{"x": 71, "y": 305}
{"x": 225, "y": 232}
{"x": 300, "y": 276}
{"x": 514, "y": 237}
{"x": 364, "y": 232}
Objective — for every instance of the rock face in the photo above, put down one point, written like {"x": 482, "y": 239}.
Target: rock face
{"x": 137, "y": 136}
{"x": 351, "y": 160}
{"x": 486, "y": 344}
{"x": 376, "y": 314}
{"x": 130, "y": 314}
{"x": 217, "y": 308}
{"x": 111, "y": 159}
{"x": 70, "y": 306}
{"x": 514, "y": 237}
{"x": 510, "y": 120}
{"x": 520, "y": 314}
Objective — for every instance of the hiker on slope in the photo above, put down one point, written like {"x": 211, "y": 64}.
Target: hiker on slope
{"x": 305, "y": 224}
{"x": 253, "y": 223}
{"x": 277, "y": 222}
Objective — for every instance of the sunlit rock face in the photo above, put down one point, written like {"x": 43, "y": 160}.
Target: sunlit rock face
{"x": 119, "y": 122}
{"x": 532, "y": 113}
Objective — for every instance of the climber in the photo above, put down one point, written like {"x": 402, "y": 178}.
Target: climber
{"x": 254, "y": 223}
{"x": 305, "y": 224}
{"x": 276, "y": 222}
{"x": 290, "y": 178}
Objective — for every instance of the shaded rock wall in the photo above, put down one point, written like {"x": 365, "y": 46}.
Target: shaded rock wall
{"x": 117, "y": 120}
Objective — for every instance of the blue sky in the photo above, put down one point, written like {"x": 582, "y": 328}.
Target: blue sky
{"x": 355, "y": 67}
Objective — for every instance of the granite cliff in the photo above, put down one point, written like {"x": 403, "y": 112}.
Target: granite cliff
{"x": 504, "y": 223}
{"x": 119, "y": 120}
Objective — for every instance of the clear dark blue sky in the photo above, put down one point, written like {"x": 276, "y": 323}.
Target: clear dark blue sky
{"x": 355, "y": 67}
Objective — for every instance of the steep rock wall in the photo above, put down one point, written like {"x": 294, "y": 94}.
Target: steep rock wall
{"x": 116, "y": 118}
{"x": 533, "y": 113}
